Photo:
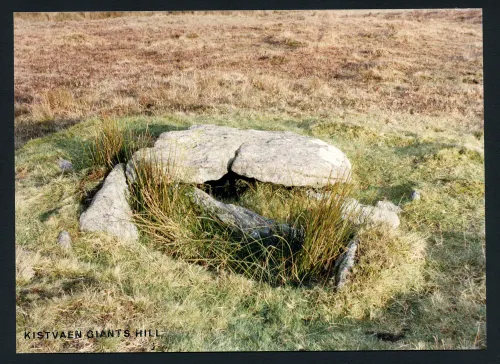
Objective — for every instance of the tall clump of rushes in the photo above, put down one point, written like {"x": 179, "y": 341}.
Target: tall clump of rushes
{"x": 162, "y": 205}
{"x": 112, "y": 143}
{"x": 108, "y": 140}
{"x": 328, "y": 229}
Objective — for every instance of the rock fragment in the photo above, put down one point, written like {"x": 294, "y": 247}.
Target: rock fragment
{"x": 384, "y": 212}
{"x": 388, "y": 205}
{"x": 369, "y": 215}
{"x": 64, "y": 239}
{"x": 65, "y": 165}
{"x": 345, "y": 262}
{"x": 24, "y": 264}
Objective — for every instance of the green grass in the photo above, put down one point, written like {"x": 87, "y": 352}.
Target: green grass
{"x": 428, "y": 276}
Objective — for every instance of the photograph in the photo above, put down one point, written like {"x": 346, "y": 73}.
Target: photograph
{"x": 249, "y": 181}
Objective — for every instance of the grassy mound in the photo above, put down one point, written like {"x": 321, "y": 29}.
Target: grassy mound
{"x": 397, "y": 272}
{"x": 166, "y": 213}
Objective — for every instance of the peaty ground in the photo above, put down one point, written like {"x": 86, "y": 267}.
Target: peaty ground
{"x": 399, "y": 92}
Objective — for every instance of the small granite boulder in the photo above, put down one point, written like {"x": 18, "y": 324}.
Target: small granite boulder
{"x": 65, "y": 165}
{"x": 369, "y": 215}
{"x": 382, "y": 216}
{"x": 64, "y": 239}
{"x": 384, "y": 212}
{"x": 388, "y": 205}
{"x": 109, "y": 211}
{"x": 24, "y": 264}
{"x": 415, "y": 195}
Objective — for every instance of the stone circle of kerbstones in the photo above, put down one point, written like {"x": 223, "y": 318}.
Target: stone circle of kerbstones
{"x": 208, "y": 152}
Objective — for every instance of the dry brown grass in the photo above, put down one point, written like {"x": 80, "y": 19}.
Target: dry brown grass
{"x": 314, "y": 63}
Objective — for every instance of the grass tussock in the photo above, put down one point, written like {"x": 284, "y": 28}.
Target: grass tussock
{"x": 112, "y": 143}
{"x": 56, "y": 103}
{"x": 328, "y": 230}
{"x": 162, "y": 206}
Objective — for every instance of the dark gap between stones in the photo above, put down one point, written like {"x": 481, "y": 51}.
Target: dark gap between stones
{"x": 88, "y": 195}
{"x": 230, "y": 187}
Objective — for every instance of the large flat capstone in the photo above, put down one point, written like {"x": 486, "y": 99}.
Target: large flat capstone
{"x": 208, "y": 152}
{"x": 109, "y": 211}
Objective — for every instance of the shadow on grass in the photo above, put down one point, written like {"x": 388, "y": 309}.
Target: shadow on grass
{"x": 421, "y": 149}
{"x": 69, "y": 285}
{"x": 397, "y": 194}
{"x": 77, "y": 149}
{"x": 24, "y": 131}
{"x": 262, "y": 326}
{"x": 44, "y": 216}
{"x": 400, "y": 318}
{"x": 156, "y": 129}
{"x": 459, "y": 249}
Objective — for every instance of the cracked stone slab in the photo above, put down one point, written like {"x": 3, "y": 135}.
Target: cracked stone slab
{"x": 109, "y": 211}
{"x": 292, "y": 160}
{"x": 207, "y": 152}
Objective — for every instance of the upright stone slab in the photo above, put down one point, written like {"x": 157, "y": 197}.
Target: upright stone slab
{"x": 345, "y": 262}
{"x": 109, "y": 211}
